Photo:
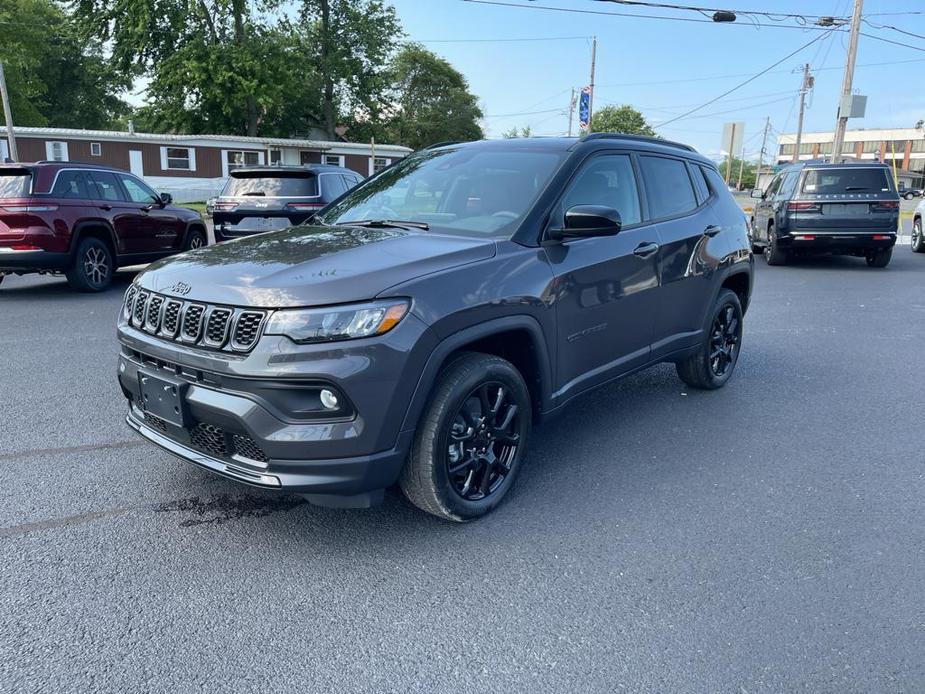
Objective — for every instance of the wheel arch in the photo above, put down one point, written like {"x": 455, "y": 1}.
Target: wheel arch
{"x": 95, "y": 229}
{"x": 518, "y": 339}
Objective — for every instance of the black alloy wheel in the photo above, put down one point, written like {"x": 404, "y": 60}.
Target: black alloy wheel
{"x": 93, "y": 266}
{"x": 724, "y": 340}
{"x": 482, "y": 441}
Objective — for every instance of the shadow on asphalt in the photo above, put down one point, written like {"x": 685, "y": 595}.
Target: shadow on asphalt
{"x": 58, "y": 288}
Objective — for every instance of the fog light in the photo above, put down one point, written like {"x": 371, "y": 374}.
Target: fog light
{"x": 328, "y": 399}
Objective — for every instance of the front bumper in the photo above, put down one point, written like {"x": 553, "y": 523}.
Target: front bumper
{"x": 840, "y": 241}
{"x": 250, "y": 418}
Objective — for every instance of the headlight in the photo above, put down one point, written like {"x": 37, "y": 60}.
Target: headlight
{"x": 337, "y": 322}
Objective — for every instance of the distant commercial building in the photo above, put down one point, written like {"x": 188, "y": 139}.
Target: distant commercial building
{"x": 191, "y": 167}
{"x": 905, "y": 146}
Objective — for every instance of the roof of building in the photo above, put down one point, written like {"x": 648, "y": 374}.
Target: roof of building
{"x": 202, "y": 140}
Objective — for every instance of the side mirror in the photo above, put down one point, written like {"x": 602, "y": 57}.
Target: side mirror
{"x": 757, "y": 193}
{"x": 588, "y": 220}
{"x": 166, "y": 198}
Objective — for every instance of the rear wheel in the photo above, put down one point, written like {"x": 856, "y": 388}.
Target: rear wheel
{"x": 471, "y": 440}
{"x": 880, "y": 258}
{"x": 772, "y": 252}
{"x": 93, "y": 266}
{"x": 195, "y": 238}
{"x": 713, "y": 363}
{"x": 918, "y": 240}
{"x": 908, "y": 196}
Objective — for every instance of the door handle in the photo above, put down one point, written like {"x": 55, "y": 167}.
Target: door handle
{"x": 645, "y": 249}
{"x": 711, "y": 231}
{"x": 106, "y": 207}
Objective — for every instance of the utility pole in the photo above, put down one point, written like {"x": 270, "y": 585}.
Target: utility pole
{"x": 764, "y": 142}
{"x": 591, "y": 95}
{"x": 805, "y": 87}
{"x": 741, "y": 166}
{"x": 842, "y": 123}
{"x": 732, "y": 139}
{"x": 571, "y": 111}
{"x": 8, "y": 116}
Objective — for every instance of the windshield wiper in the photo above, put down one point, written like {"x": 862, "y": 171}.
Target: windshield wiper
{"x": 386, "y": 224}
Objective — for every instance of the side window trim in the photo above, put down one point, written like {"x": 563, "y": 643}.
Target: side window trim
{"x": 641, "y": 178}
{"x": 555, "y": 208}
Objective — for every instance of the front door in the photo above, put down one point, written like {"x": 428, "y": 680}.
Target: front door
{"x": 135, "y": 162}
{"x": 163, "y": 222}
{"x": 606, "y": 287}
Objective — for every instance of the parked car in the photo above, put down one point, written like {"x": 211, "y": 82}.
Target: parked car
{"x": 257, "y": 199}
{"x": 85, "y": 221}
{"x": 419, "y": 327}
{"x": 846, "y": 209}
{"x": 918, "y": 238}
{"x": 909, "y": 193}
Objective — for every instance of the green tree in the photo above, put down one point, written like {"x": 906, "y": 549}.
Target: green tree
{"x": 55, "y": 78}
{"x": 212, "y": 65}
{"x": 525, "y": 131}
{"x": 429, "y": 101}
{"x": 620, "y": 119}
{"x": 748, "y": 172}
{"x": 348, "y": 44}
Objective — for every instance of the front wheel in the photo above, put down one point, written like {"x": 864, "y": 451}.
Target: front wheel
{"x": 470, "y": 442}
{"x": 880, "y": 258}
{"x": 93, "y": 266}
{"x": 918, "y": 240}
{"x": 713, "y": 363}
{"x": 195, "y": 238}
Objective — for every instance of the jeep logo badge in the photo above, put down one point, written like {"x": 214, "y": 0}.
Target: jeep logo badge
{"x": 181, "y": 288}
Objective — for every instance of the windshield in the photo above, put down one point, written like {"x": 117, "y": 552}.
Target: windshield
{"x": 277, "y": 185}
{"x": 464, "y": 191}
{"x": 836, "y": 181}
{"x": 15, "y": 185}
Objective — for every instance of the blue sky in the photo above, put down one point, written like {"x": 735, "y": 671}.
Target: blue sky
{"x": 666, "y": 67}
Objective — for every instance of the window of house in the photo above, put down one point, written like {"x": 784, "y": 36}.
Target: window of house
{"x": 56, "y": 151}
{"x": 806, "y": 148}
{"x": 237, "y": 158}
{"x": 178, "y": 159}
{"x": 788, "y": 149}
{"x": 334, "y": 159}
{"x": 378, "y": 164}
{"x": 96, "y": 149}
{"x": 668, "y": 186}
{"x": 870, "y": 146}
{"x": 307, "y": 157}
{"x": 276, "y": 156}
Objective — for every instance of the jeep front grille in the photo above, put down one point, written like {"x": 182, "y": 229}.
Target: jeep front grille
{"x": 201, "y": 325}
{"x": 219, "y": 443}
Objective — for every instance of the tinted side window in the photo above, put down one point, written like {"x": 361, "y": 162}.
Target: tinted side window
{"x": 107, "y": 188}
{"x": 789, "y": 184}
{"x": 71, "y": 184}
{"x": 668, "y": 186}
{"x": 774, "y": 186}
{"x": 606, "y": 180}
{"x": 700, "y": 184}
{"x": 138, "y": 191}
{"x": 333, "y": 185}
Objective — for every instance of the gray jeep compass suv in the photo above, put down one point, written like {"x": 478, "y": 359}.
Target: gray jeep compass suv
{"x": 416, "y": 328}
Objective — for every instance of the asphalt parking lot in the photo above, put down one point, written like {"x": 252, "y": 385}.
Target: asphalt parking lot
{"x": 767, "y": 537}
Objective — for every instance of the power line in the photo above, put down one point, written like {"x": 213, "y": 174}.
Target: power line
{"x": 895, "y": 43}
{"x": 538, "y": 38}
{"x": 524, "y": 113}
{"x": 701, "y": 10}
{"x": 889, "y": 26}
{"x": 750, "y": 79}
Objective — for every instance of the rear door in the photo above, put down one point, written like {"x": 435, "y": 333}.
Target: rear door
{"x": 164, "y": 223}
{"x": 134, "y": 229}
{"x": 856, "y": 198}
{"x": 679, "y": 200}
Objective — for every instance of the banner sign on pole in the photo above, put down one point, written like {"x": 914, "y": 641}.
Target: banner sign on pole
{"x": 584, "y": 108}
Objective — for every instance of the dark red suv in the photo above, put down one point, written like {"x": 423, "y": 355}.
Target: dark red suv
{"x": 86, "y": 221}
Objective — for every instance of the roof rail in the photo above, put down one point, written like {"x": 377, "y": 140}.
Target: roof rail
{"x": 638, "y": 138}
{"x": 444, "y": 144}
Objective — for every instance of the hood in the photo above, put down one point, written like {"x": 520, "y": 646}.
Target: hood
{"x": 310, "y": 265}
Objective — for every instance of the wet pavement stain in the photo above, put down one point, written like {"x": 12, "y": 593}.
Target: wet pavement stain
{"x": 223, "y": 508}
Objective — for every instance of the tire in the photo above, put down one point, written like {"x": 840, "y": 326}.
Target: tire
{"x": 880, "y": 258}
{"x": 457, "y": 481}
{"x": 93, "y": 266}
{"x": 918, "y": 238}
{"x": 757, "y": 250}
{"x": 195, "y": 238}
{"x": 707, "y": 369}
{"x": 772, "y": 253}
